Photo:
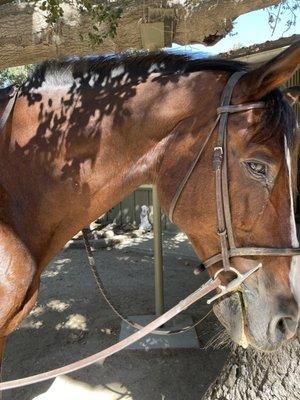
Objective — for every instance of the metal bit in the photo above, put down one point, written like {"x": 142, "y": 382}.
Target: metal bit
{"x": 235, "y": 283}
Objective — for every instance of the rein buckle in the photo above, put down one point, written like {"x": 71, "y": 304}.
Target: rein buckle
{"x": 234, "y": 284}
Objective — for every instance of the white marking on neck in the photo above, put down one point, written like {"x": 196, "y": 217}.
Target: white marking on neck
{"x": 118, "y": 71}
{"x": 294, "y": 275}
{"x": 93, "y": 79}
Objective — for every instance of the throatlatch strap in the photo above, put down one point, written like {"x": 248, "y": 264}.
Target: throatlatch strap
{"x": 190, "y": 171}
{"x": 8, "y": 108}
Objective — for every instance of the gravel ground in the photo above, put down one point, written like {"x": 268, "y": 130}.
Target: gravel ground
{"x": 70, "y": 321}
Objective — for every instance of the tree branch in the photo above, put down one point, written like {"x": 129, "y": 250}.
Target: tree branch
{"x": 26, "y": 38}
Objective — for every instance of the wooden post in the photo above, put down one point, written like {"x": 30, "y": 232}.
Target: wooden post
{"x": 158, "y": 257}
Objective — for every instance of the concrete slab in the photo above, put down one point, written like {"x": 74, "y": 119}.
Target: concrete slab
{"x": 185, "y": 340}
{"x": 66, "y": 388}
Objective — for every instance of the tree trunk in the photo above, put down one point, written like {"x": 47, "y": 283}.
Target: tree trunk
{"x": 25, "y": 37}
{"x": 255, "y": 376}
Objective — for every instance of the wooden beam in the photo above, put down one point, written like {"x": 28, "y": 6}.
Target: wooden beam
{"x": 25, "y": 38}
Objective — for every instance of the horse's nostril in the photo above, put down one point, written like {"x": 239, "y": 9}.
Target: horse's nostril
{"x": 283, "y": 328}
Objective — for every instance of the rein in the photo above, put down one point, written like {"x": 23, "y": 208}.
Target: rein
{"x": 228, "y": 249}
{"x": 106, "y": 297}
{"x": 212, "y": 284}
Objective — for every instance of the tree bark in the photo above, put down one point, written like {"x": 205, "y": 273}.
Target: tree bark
{"x": 254, "y": 376}
{"x": 25, "y": 37}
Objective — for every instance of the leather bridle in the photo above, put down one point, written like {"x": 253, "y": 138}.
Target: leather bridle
{"x": 12, "y": 95}
{"x": 228, "y": 248}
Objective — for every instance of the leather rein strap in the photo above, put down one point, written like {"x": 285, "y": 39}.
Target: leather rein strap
{"x": 228, "y": 248}
{"x": 209, "y": 286}
{"x": 104, "y": 294}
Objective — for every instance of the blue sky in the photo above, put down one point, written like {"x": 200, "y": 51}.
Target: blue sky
{"x": 251, "y": 28}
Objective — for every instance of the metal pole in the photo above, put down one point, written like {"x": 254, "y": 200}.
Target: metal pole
{"x": 158, "y": 256}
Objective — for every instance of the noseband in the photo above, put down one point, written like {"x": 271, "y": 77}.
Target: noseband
{"x": 228, "y": 248}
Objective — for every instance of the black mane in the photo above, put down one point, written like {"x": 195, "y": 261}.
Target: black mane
{"x": 279, "y": 116}
{"x": 140, "y": 64}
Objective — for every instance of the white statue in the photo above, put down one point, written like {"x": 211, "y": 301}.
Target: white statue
{"x": 145, "y": 224}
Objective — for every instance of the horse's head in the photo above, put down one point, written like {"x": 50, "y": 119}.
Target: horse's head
{"x": 261, "y": 158}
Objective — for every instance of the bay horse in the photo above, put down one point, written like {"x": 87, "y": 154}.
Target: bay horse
{"x": 86, "y": 132}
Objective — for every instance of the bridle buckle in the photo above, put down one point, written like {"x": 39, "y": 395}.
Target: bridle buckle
{"x": 235, "y": 283}
{"x": 218, "y": 149}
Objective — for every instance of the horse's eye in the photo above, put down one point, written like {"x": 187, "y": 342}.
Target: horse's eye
{"x": 256, "y": 168}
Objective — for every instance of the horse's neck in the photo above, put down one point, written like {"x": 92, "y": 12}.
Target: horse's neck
{"x": 96, "y": 157}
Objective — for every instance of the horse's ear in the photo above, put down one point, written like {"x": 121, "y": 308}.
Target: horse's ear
{"x": 292, "y": 94}
{"x": 260, "y": 81}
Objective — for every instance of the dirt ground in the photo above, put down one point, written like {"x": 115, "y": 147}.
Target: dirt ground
{"x": 70, "y": 322}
